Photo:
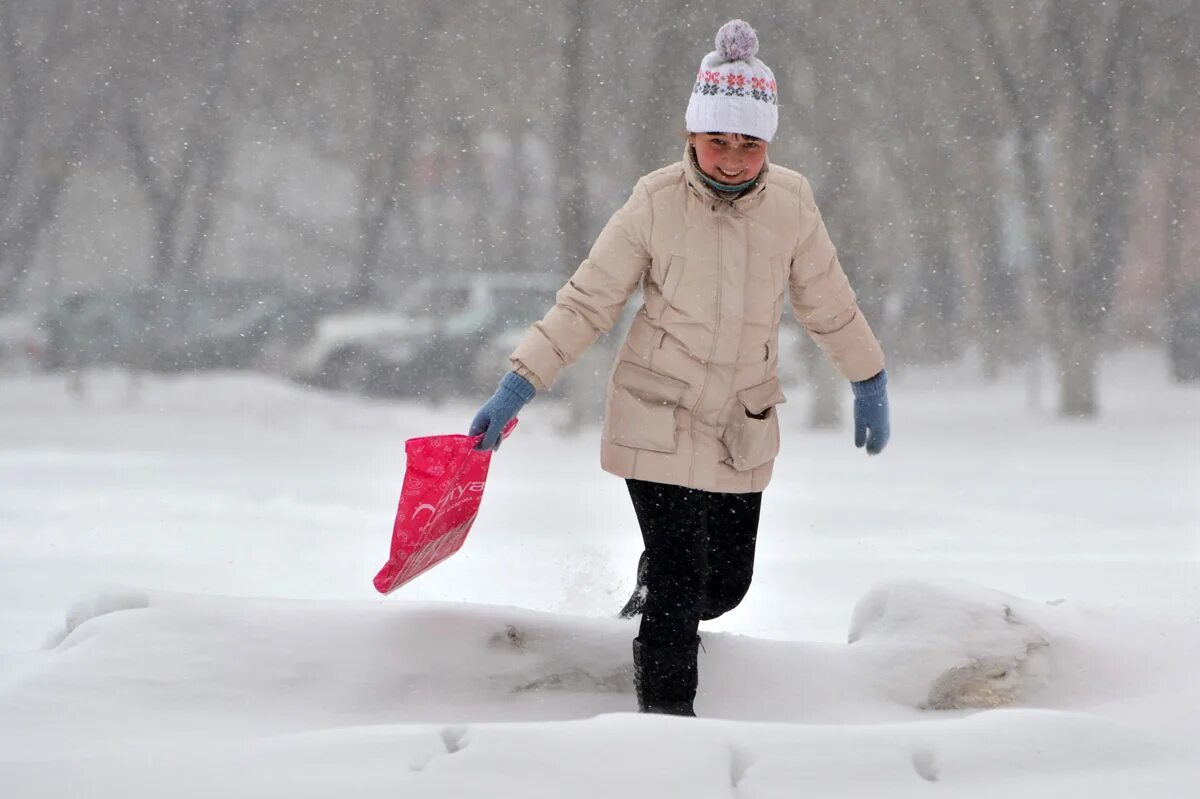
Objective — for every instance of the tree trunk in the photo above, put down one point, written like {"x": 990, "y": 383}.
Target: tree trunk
{"x": 1084, "y": 306}
{"x": 572, "y": 190}
{"x": 650, "y": 140}
{"x": 516, "y": 218}
{"x": 374, "y": 179}
{"x": 1048, "y": 325}
{"x": 998, "y": 295}
{"x": 24, "y": 216}
{"x": 163, "y": 255}
{"x": 1177, "y": 211}
{"x": 381, "y": 174}
{"x": 1078, "y": 361}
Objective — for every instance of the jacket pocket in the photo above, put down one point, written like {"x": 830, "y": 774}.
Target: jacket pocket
{"x": 641, "y": 413}
{"x": 752, "y": 435}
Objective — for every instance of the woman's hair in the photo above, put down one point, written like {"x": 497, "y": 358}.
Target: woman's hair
{"x": 686, "y": 135}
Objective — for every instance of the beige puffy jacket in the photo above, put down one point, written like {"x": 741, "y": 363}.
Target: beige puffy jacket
{"x": 692, "y": 396}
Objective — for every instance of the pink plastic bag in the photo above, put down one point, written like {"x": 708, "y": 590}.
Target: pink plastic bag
{"x": 443, "y": 486}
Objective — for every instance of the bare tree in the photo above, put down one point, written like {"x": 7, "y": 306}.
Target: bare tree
{"x": 398, "y": 40}
{"x": 478, "y": 138}
{"x": 1066, "y": 79}
{"x": 572, "y": 192}
{"x": 177, "y": 131}
{"x": 54, "y": 89}
{"x": 959, "y": 135}
{"x": 1170, "y": 59}
{"x": 669, "y": 48}
{"x": 1103, "y": 91}
{"x": 843, "y": 93}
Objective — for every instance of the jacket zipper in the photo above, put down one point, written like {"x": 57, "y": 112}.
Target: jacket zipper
{"x": 711, "y": 352}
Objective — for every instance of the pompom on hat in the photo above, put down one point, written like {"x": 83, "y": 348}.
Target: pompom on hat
{"x": 734, "y": 91}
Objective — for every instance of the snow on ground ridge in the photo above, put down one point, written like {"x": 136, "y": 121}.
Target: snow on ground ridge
{"x": 264, "y": 695}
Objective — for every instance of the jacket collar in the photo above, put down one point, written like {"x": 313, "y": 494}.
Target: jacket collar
{"x": 706, "y": 193}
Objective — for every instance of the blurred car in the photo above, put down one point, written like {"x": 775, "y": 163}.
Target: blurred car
{"x": 1183, "y": 331}
{"x": 434, "y": 345}
{"x": 215, "y": 325}
{"x": 22, "y": 342}
{"x": 360, "y": 351}
{"x": 293, "y": 324}
{"x": 98, "y": 327}
{"x": 491, "y": 359}
{"x": 221, "y": 325}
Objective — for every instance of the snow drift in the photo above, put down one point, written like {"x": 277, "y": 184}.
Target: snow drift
{"x": 202, "y": 694}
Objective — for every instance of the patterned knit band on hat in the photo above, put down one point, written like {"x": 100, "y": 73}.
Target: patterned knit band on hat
{"x": 734, "y": 91}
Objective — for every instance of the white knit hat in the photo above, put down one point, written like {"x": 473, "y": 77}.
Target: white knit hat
{"x": 734, "y": 91}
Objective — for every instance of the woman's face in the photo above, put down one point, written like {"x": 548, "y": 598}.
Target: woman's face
{"x": 729, "y": 157}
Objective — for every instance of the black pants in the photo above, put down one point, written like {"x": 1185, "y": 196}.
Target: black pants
{"x": 700, "y": 556}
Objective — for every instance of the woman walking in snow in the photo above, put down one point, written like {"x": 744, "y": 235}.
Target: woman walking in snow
{"x": 717, "y": 242}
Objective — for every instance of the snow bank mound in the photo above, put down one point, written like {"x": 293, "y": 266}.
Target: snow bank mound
{"x": 204, "y": 696}
{"x": 100, "y": 604}
{"x": 915, "y": 646}
{"x": 951, "y": 645}
{"x": 162, "y": 661}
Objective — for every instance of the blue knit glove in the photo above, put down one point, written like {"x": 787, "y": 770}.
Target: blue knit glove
{"x": 510, "y": 397}
{"x": 871, "y": 425}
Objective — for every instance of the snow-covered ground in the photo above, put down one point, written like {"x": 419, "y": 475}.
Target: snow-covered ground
{"x": 186, "y": 604}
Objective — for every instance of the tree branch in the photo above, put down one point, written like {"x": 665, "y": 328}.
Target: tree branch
{"x": 1000, "y": 62}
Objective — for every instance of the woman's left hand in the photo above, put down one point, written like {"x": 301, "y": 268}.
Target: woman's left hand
{"x": 872, "y": 427}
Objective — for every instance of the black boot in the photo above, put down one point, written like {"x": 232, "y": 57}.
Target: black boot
{"x": 665, "y": 677}
{"x": 637, "y": 600}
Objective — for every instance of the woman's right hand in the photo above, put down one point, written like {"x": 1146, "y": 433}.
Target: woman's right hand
{"x": 512, "y": 395}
